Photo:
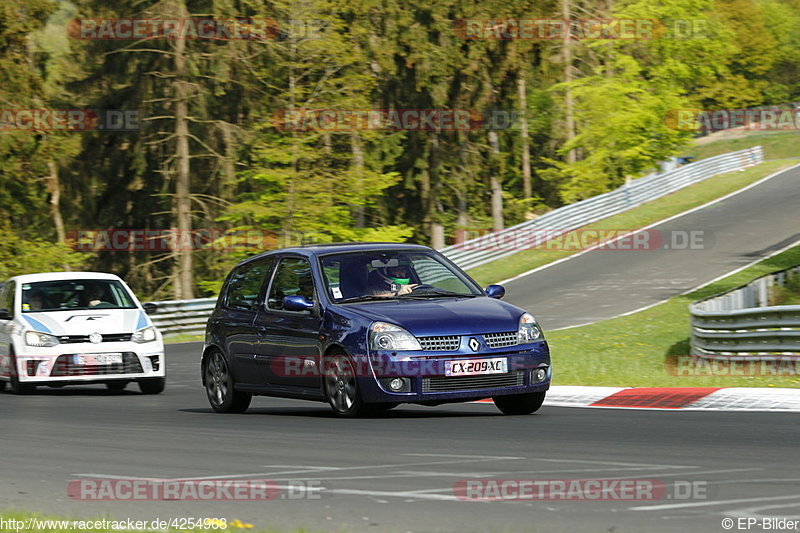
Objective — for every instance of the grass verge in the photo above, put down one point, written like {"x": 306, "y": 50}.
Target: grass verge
{"x": 776, "y": 145}
{"x": 638, "y": 217}
{"x": 183, "y": 337}
{"x": 638, "y": 350}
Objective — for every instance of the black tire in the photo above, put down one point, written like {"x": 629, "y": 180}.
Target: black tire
{"x": 219, "y": 387}
{"x": 520, "y": 404}
{"x": 116, "y": 386}
{"x": 14, "y": 385}
{"x": 2, "y": 386}
{"x": 341, "y": 387}
{"x": 152, "y": 385}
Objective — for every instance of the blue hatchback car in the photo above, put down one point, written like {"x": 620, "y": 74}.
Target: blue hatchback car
{"x": 367, "y": 327}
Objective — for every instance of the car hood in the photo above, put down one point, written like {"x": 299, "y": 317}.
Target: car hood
{"x": 88, "y": 321}
{"x": 444, "y": 316}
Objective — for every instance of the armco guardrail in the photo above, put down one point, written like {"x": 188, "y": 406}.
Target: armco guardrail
{"x": 742, "y": 323}
{"x": 183, "y": 316}
{"x": 189, "y": 316}
{"x": 493, "y": 246}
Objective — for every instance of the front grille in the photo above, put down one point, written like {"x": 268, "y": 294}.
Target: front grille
{"x": 440, "y": 344}
{"x": 501, "y": 340}
{"x": 65, "y": 367}
{"x": 111, "y": 337}
{"x": 491, "y": 381}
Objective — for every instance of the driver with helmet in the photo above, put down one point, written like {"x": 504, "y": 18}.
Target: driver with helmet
{"x": 392, "y": 280}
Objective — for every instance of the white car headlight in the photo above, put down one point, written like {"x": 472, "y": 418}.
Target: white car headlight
{"x": 383, "y": 336}
{"x": 528, "y": 329}
{"x": 147, "y": 334}
{"x": 40, "y": 340}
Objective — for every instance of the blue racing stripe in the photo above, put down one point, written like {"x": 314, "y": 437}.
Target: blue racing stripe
{"x": 142, "y": 321}
{"x": 38, "y": 326}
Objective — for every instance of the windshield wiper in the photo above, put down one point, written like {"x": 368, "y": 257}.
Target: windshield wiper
{"x": 363, "y": 298}
{"x": 437, "y": 293}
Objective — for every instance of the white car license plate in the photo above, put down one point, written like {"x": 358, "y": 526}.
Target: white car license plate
{"x": 97, "y": 359}
{"x": 474, "y": 367}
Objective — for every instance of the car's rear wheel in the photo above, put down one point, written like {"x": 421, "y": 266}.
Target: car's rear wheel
{"x": 2, "y": 386}
{"x": 520, "y": 404}
{"x": 341, "y": 387}
{"x": 219, "y": 387}
{"x": 152, "y": 385}
{"x": 116, "y": 386}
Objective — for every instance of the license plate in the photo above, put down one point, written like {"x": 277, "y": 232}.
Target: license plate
{"x": 474, "y": 367}
{"x": 97, "y": 359}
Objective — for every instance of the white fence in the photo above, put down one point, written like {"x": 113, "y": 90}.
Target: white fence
{"x": 493, "y": 246}
{"x": 742, "y": 323}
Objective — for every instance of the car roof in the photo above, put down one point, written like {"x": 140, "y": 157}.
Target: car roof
{"x": 57, "y": 276}
{"x": 335, "y": 248}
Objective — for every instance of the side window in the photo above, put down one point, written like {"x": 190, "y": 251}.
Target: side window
{"x": 245, "y": 284}
{"x": 7, "y": 297}
{"x": 293, "y": 277}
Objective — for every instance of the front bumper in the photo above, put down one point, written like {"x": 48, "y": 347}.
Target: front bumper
{"x": 86, "y": 363}
{"x": 426, "y": 380}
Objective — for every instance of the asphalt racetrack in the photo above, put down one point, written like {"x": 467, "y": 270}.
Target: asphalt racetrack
{"x": 727, "y": 235}
{"x": 398, "y": 472}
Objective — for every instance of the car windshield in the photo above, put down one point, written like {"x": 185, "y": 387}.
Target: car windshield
{"x": 63, "y": 295}
{"x": 390, "y": 274}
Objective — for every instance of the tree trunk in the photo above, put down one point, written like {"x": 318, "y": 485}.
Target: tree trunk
{"x": 54, "y": 189}
{"x": 184, "y": 288}
{"x": 358, "y": 169}
{"x": 569, "y": 112}
{"x": 498, "y": 224}
{"x": 526, "y": 154}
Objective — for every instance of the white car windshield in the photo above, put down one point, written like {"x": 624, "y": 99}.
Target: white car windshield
{"x": 391, "y": 274}
{"x": 62, "y": 295}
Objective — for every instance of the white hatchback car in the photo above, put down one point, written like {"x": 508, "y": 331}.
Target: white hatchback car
{"x": 62, "y": 328}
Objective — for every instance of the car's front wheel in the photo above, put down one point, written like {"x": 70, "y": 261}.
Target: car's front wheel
{"x": 520, "y": 404}
{"x": 15, "y": 385}
{"x": 152, "y": 385}
{"x": 341, "y": 387}
{"x": 116, "y": 386}
{"x": 219, "y": 387}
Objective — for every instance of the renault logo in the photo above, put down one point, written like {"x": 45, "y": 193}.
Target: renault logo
{"x": 474, "y": 344}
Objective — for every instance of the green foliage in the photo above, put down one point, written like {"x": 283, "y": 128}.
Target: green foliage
{"x": 249, "y": 172}
{"x": 27, "y": 256}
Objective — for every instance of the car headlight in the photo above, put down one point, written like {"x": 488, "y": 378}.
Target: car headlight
{"x": 147, "y": 334}
{"x": 528, "y": 329}
{"x": 40, "y": 340}
{"x": 383, "y": 336}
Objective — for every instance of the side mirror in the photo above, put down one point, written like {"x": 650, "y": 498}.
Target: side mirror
{"x": 150, "y": 308}
{"x": 5, "y": 314}
{"x": 297, "y": 303}
{"x": 495, "y": 291}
